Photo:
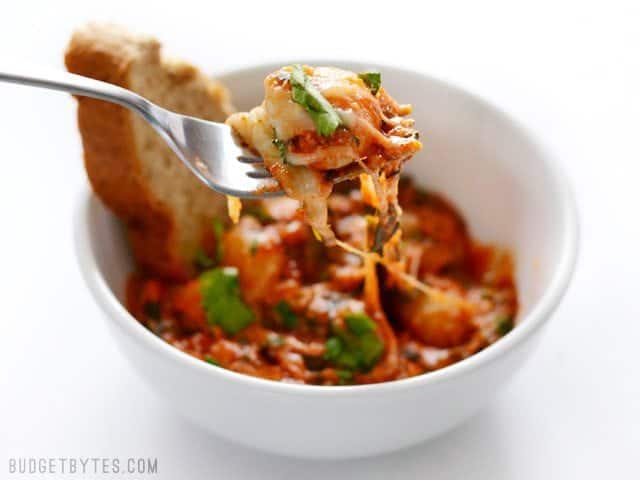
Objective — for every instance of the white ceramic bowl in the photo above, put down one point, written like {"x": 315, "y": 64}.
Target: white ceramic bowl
{"x": 509, "y": 189}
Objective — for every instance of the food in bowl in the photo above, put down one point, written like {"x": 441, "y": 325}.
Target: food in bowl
{"x": 274, "y": 302}
{"x": 265, "y": 297}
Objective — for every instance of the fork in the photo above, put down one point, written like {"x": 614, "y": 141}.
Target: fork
{"x": 211, "y": 150}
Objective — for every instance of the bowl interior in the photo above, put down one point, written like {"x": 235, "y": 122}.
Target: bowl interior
{"x": 474, "y": 155}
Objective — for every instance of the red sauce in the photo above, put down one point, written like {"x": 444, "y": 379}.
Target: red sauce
{"x": 301, "y": 295}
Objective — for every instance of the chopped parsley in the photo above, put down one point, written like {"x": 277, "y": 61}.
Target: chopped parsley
{"x": 211, "y": 360}
{"x": 281, "y": 146}
{"x": 504, "y": 324}
{"x": 253, "y": 247}
{"x": 222, "y": 302}
{"x": 372, "y": 80}
{"x": 333, "y": 348}
{"x": 356, "y": 347}
{"x": 344, "y": 376}
{"x": 359, "y": 323}
{"x": 288, "y": 317}
{"x": 324, "y": 116}
{"x": 203, "y": 261}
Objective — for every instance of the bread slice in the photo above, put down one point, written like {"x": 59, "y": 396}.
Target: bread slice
{"x": 165, "y": 208}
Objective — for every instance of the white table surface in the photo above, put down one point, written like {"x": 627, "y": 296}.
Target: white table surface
{"x": 570, "y": 71}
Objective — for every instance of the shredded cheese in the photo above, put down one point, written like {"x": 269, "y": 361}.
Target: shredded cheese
{"x": 371, "y": 258}
{"x": 368, "y": 190}
{"x": 234, "y": 208}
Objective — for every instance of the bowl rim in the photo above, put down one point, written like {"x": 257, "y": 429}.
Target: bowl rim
{"x": 540, "y": 312}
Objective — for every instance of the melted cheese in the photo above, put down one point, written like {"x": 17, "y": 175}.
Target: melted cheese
{"x": 434, "y": 294}
{"x": 234, "y": 208}
{"x": 374, "y": 135}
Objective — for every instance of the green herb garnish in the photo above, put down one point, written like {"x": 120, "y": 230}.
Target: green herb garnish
{"x": 360, "y": 323}
{"x": 344, "y": 376}
{"x": 324, "y": 116}
{"x": 152, "y": 310}
{"x": 281, "y": 146}
{"x": 372, "y": 80}
{"x": 221, "y": 300}
{"x": 288, "y": 317}
{"x": 333, "y": 348}
{"x": 203, "y": 261}
{"x": 504, "y": 324}
{"x": 356, "y": 347}
{"x": 253, "y": 247}
{"x": 211, "y": 360}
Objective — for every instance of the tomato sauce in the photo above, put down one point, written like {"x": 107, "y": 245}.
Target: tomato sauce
{"x": 274, "y": 302}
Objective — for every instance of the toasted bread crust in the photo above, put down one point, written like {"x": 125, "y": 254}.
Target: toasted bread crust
{"x": 111, "y": 154}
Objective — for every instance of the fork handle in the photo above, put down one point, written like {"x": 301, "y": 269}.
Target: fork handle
{"x": 84, "y": 86}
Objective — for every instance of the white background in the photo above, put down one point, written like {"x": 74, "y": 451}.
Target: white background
{"x": 569, "y": 71}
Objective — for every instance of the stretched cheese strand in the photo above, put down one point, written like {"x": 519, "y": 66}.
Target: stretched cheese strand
{"x": 433, "y": 293}
{"x": 234, "y": 208}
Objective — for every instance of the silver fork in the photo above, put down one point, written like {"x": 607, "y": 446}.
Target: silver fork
{"x": 211, "y": 150}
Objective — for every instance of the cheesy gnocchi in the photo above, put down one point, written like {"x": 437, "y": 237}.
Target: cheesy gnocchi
{"x": 318, "y": 126}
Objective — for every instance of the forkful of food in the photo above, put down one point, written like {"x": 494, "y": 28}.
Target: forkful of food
{"x": 315, "y": 128}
